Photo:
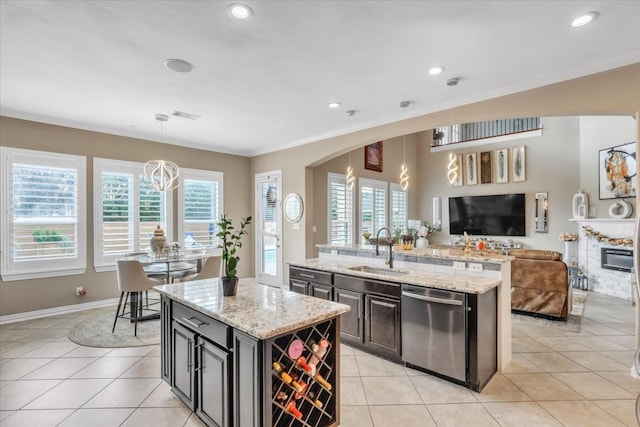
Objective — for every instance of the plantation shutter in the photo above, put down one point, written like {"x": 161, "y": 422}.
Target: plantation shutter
{"x": 373, "y": 206}
{"x": 340, "y": 210}
{"x": 399, "y": 214}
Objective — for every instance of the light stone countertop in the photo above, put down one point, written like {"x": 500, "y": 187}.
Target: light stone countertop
{"x": 460, "y": 283}
{"x": 437, "y": 251}
{"x": 259, "y": 310}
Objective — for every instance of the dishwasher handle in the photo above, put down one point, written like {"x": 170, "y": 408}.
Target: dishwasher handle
{"x": 431, "y": 299}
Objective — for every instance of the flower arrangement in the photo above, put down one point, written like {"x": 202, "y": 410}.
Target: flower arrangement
{"x": 568, "y": 237}
{"x": 426, "y": 229}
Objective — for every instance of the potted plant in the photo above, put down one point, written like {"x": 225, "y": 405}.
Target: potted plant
{"x": 231, "y": 242}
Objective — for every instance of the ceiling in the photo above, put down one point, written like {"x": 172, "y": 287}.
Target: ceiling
{"x": 264, "y": 84}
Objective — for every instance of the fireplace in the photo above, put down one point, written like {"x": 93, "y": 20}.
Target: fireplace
{"x": 616, "y": 259}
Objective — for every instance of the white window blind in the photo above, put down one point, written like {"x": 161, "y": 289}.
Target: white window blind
{"x": 126, "y": 211}
{"x": 43, "y": 214}
{"x": 373, "y": 206}
{"x": 399, "y": 205}
{"x": 340, "y": 226}
{"x": 200, "y": 207}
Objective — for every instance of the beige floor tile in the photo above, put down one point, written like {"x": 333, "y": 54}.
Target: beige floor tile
{"x": 15, "y": 335}
{"x": 435, "y": 390}
{"x": 156, "y": 352}
{"x": 461, "y": 414}
{"x": 603, "y": 344}
{"x": 624, "y": 357}
{"x": 17, "y": 368}
{"x": 349, "y": 366}
{"x": 112, "y": 417}
{"x": 372, "y": 366}
{"x": 162, "y": 397}
{"x": 36, "y": 418}
{"x": 18, "y": 349}
{"x": 527, "y": 345}
{"x": 414, "y": 372}
{"x": 355, "y": 416}
{"x": 623, "y": 410}
{"x": 623, "y": 379}
{"x": 541, "y": 387}
{"x": 5, "y": 414}
{"x": 345, "y": 350}
{"x": 626, "y": 341}
{"x": 131, "y": 351}
{"x": 518, "y": 414}
{"x": 48, "y": 335}
{"x": 194, "y": 421}
{"x": 52, "y": 349}
{"x": 595, "y": 360}
{"x": 60, "y": 368}
{"x": 158, "y": 417}
{"x": 500, "y": 389}
{"x": 554, "y": 362}
{"x": 69, "y": 394}
{"x": 19, "y": 393}
{"x": 600, "y": 329}
{"x": 352, "y": 391}
{"x": 88, "y": 352}
{"x": 521, "y": 364}
{"x": 107, "y": 367}
{"x": 390, "y": 391}
{"x": 580, "y": 414}
{"x": 401, "y": 415}
{"x": 125, "y": 392}
{"x": 564, "y": 343}
{"x": 592, "y": 386}
{"x": 147, "y": 367}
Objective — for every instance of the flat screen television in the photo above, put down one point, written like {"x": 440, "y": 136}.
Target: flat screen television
{"x": 497, "y": 215}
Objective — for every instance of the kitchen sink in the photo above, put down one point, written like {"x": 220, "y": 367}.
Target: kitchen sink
{"x": 378, "y": 270}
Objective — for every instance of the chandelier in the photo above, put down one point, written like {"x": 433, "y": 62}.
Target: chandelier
{"x": 161, "y": 175}
{"x": 404, "y": 170}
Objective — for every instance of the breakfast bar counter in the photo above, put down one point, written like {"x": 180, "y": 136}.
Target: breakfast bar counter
{"x": 265, "y": 356}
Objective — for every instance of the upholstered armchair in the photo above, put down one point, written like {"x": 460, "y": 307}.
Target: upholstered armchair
{"x": 539, "y": 283}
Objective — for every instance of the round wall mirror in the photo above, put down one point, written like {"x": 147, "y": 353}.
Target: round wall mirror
{"x": 293, "y": 207}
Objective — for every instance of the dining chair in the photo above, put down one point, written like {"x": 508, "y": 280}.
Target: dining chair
{"x": 211, "y": 267}
{"x": 132, "y": 281}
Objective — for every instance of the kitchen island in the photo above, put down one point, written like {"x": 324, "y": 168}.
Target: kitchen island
{"x": 265, "y": 356}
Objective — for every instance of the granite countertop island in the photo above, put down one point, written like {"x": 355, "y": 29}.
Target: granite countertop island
{"x": 460, "y": 283}
{"x": 258, "y": 310}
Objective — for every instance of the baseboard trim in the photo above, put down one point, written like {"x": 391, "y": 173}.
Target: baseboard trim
{"x": 55, "y": 311}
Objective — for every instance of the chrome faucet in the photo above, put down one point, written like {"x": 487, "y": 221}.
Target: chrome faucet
{"x": 390, "y": 261}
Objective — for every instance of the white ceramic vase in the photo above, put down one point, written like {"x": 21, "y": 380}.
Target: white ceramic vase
{"x": 570, "y": 252}
{"x": 422, "y": 243}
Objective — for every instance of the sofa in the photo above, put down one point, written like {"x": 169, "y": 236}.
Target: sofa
{"x": 539, "y": 283}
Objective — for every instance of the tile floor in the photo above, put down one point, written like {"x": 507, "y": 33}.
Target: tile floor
{"x": 556, "y": 378}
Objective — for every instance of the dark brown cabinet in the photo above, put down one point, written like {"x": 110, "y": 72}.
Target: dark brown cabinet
{"x": 351, "y": 322}
{"x": 382, "y": 325}
{"x": 316, "y": 283}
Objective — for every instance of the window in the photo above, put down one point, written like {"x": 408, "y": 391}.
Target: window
{"x": 373, "y": 206}
{"x": 340, "y": 230}
{"x": 398, "y": 209}
{"x": 200, "y": 207}
{"x": 43, "y": 214}
{"x": 126, "y": 211}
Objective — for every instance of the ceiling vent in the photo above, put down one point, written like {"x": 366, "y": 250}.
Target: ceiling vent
{"x": 184, "y": 115}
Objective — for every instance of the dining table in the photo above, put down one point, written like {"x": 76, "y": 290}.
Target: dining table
{"x": 165, "y": 264}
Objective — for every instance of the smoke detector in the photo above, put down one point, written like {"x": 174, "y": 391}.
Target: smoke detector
{"x": 184, "y": 115}
{"x": 453, "y": 81}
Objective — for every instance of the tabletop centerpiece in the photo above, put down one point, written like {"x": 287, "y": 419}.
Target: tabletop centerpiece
{"x": 231, "y": 242}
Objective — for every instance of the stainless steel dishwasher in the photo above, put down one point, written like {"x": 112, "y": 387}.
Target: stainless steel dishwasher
{"x": 434, "y": 335}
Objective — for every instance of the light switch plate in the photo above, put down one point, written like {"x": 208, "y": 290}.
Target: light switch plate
{"x": 459, "y": 265}
{"x": 475, "y": 267}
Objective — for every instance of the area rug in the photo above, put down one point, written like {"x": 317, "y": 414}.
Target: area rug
{"x": 572, "y": 323}
{"x": 96, "y": 332}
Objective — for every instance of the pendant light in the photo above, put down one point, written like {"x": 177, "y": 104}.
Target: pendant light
{"x": 161, "y": 175}
{"x": 404, "y": 171}
{"x": 351, "y": 179}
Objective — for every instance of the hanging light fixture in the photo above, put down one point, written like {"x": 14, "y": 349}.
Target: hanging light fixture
{"x": 404, "y": 171}
{"x": 351, "y": 179}
{"x": 161, "y": 175}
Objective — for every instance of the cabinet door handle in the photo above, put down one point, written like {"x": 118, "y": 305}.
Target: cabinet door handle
{"x": 432, "y": 299}
{"x": 192, "y": 323}
{"x": 189, "y": 363}
{"x": 309, "y": 276}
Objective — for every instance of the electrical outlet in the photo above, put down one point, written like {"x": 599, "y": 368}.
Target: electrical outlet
{"x": 80, "y": 291}
{"x": 475, "y": 267}
{"x": 459, "y": 265}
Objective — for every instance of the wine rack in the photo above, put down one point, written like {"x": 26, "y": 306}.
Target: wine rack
{"x": 300, "y": 398}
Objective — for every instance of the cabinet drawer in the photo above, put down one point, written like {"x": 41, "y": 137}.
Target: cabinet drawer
{"x": 368, "y": 286}
{"x": 210, "y": 328}
{"x": 314, "y": 276}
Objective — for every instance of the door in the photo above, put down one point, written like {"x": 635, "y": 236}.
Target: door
{"x": 183, "y": 347}
{"x": 213, "y": 384}
{"x": 320, "y": 291}
{"x": 298, "y": 286}
{"x": 268, "y": 228}
{"x": 383, "y": 325}
{"x": 351, "y": 321}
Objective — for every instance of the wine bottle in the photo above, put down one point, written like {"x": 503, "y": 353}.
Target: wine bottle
{"x": 324, "y": 383}
{"x": 291, "y": 408}
{"x": 319, "y": 350}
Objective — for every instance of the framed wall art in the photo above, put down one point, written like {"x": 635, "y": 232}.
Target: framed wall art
{"x": 471, "y": 168}
{"x": 373, "y": 156}
{"x": 617, "y": 170}
{"x": 485, "y": 167}
{"x": 518, "y": 164}
{"x": 502, "y": 166}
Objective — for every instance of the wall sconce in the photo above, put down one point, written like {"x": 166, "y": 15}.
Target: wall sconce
{"x": 437, "y": 213}
{"x": 452, "y": 168}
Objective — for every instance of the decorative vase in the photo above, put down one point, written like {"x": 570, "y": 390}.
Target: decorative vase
{"x": 570, "y": 252}
{"x": 157, "y": 242}
{"x": 229, "y": 286}
{"x": 422, "y": 243}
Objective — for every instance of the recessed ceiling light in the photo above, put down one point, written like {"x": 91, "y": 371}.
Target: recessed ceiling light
{"x": 334, "y": 104}
{"x": 178, "y": 65}
{"x": 240, "y": 11}
{"x": 584, "y": 19}
{"x": 434, "y": 71}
